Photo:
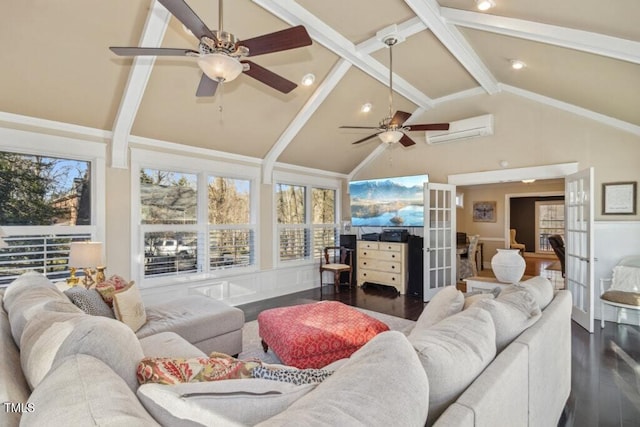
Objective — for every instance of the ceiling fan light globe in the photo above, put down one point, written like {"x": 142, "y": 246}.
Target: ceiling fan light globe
{"x": 220, "y": 67}
{"x": 390, "y": 136}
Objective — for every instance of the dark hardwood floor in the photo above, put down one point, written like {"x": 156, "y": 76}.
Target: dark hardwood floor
{"x": 605, "y": 365}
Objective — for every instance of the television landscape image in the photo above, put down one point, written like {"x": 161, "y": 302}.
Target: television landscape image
{"x": 388, "y": 202}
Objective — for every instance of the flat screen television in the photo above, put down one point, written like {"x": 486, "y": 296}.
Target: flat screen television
{"x": 388, "y": 202}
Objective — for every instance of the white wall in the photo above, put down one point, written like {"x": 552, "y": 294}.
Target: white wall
{"x": 613, "y": 241}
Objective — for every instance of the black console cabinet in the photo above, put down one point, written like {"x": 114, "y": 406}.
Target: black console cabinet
{"x": 416, "y": 266}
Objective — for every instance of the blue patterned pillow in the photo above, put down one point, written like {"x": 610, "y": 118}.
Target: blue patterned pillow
{"x": 90, "y": 301}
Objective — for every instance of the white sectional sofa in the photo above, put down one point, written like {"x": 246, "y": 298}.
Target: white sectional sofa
{"x": 70, "y": 368}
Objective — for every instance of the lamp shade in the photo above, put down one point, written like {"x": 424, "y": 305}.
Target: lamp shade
{"x": 85, "y": 254}
{"x": 390, "y": 136}
{"x": 219, "y": 67}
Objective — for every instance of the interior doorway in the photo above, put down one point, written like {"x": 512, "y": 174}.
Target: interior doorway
{"x": 536, "y": 216}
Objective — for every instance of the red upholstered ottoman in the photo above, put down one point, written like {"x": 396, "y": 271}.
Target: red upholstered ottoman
{"x": 314, "y": 335}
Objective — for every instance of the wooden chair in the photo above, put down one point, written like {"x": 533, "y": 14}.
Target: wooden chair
{"x": 338, "y": 260}
{"x": 557, "y": 244}
{"x": 624, "y": 291}
{"x": 514, "y": 244}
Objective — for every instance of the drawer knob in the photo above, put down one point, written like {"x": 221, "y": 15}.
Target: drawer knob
{"x": 364, "y": 253}
{"x": 393, "y": 279}
{"x": 393, "y": 256}
{"x": 365, "y": 263}
{"x": 393, "y": 267}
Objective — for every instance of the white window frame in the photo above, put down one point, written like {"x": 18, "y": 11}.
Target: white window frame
{"x": 38, "y": 144}
{"x": 203, "y": 168}
{"x": 309, "y": 182}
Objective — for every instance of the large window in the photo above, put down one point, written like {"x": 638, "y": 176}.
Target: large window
{"x": 231, "y": 236}
{"x": 195, "y": 222}
{"x": 45, "y": 203}
{"x": 306, "y": 221}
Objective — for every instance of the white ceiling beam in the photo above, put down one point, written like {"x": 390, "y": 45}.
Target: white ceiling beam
{"x": 317, "y": 98}
{"x": 294, "y": 14}
{"x": 152, "y": 35}
{"x": 598, "y": 44}
{"x": 404, "y": 31}
{"x": 574, "y": 109}
{"x": 429, "y": 12}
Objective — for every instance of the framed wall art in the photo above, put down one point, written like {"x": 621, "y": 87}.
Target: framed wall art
{"x": 619, "y": 198}
{"x": 484, "y": 211}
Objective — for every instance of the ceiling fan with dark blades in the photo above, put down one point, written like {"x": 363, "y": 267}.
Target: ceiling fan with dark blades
{"x": 392, "y": 128}
{"x": 221, "y": 55}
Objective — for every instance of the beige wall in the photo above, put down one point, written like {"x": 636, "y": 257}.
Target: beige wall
{"x": 118, "y": 222}
{"x": 526, "y": 133}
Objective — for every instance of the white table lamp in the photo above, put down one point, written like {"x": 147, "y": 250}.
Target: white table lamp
{"x": 87, "y": 256}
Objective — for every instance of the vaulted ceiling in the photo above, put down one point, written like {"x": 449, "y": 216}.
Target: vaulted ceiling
{"x": 580, "y": 55}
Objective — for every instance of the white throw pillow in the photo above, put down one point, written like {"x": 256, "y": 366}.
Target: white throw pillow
{"x": 225, "y": 402}
{"x": 512, "y": 312}
{"x": 445, "y": 303}
{"x": 540, "y": 289}
{"x": 128, "y": 307}
{"x": 453, "y": 353}
{"x": 625, "y": 279}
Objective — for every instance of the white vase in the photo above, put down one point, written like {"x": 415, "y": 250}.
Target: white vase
{"x": 508, "y": 266}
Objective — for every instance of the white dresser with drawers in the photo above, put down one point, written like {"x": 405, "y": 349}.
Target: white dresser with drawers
{"x": 384, "y": 263}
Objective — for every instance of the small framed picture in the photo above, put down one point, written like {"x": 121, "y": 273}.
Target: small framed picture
{"x": 619, "y": 198}
{"x": 484, "y": 211}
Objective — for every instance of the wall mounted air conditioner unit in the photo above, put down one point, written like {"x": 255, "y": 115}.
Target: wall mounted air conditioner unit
{"x": 463, "y": 129}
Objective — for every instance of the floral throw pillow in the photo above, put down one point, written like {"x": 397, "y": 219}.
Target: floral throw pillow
{"x": 169, "y": 370}
{"x": 110, "y": 286}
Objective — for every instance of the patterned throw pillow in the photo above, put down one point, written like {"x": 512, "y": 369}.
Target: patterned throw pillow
{"x": 89, "y": 301}
{"x": 110, "y": 286}
{"x": 294, "y": 376}
{"x": 168, "y": 370}
{"x": 128, "y": 307}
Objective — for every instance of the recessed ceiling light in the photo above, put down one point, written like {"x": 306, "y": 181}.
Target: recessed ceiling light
{"x": 308, "y": 79}
{"x": 528, "y": 181}
{"x": 485, "y": 4}
{"x": 366, "y": 107}
{"x": 517, "y": 65}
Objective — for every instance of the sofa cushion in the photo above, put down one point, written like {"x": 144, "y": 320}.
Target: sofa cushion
{"x": 540, "y": 289}
{"x": 129, "y": 308}
{"x": 88, "y": 393}
{"x": 26, "y": 281}
{"x": 470, "y": 300}
{"x": 223, "y": 403}
{"x": 30, "y": 294}
{"x": 365, "y": 390}
{"x": 445, "y": 303}
{"x": 89, "y": 301}
{"x": 513, "y": 311}
{"x": 453, "y": 353}
{"x": 50, "y": 337}
{"x": 169, "y": 344}
{"x": 13, "y": 386}
{"x": 196, "y": 318}
{"x": 622, "y": 297}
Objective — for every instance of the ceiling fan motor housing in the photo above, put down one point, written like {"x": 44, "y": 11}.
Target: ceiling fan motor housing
{"x": 225, "y": 43}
